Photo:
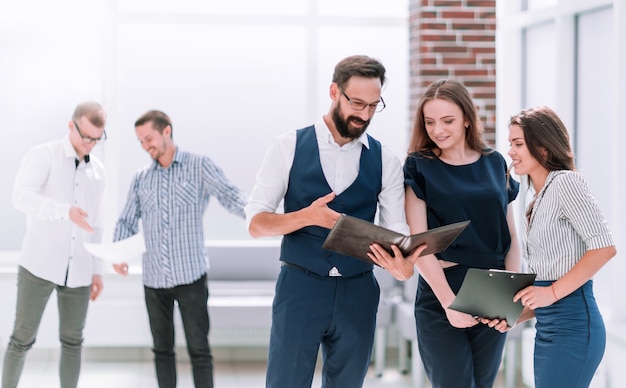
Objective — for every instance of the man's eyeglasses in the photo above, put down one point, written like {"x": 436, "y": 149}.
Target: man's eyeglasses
{"x": 360, "y": 105}
{"x": 87, "y": 139}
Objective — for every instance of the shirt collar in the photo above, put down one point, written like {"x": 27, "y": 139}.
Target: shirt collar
{"x": 551, "y": 175}
{"x": 179, "y": 157}
{"x": 323, "y": 134}
{"x": 68, "y": 149}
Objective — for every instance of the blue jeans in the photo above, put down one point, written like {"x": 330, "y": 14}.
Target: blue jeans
{"x": 32, "y": 296}
{"x": 192, "y": 303}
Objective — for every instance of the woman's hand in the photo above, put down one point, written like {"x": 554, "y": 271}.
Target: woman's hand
{"x": 460, "y": 320}
{"x": 534, "y": 297}
{"x": 498, "y": 324}
{"x": 397, "y": 265}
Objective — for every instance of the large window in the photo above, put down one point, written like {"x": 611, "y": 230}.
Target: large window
{"x": 231, "y": 75}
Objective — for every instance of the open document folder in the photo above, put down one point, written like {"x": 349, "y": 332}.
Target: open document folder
{"x": 488, "y": 293}
{"x": 353, "y": 236}
{"x": 119, "y": 251}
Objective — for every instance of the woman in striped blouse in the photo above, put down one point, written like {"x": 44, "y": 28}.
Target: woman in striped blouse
{"x": 567, "y": 242}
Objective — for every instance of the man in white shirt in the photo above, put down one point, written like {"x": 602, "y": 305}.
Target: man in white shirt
{"x": 59, "y": 186}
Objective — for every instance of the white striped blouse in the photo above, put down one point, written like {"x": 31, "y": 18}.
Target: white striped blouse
{"x": 565, "y": 222}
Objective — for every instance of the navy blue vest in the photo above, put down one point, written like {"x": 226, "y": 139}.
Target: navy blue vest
{"x": 307, "y": 183}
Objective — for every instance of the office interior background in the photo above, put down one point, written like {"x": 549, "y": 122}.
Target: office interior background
{"x": 234, "y": 74}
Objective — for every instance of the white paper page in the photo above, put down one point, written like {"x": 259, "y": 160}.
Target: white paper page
{"x": 120, "y": 251}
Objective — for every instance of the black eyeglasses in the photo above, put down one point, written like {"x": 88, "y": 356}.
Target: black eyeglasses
{"x": 87, "y": 139}
{"x": 360, "y": 105}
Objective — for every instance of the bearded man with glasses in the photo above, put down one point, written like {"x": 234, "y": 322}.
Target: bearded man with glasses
{"x": 59, "y": 186}
{"x": 319, "y": 172}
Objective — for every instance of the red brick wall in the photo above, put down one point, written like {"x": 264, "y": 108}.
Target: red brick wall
{"x": 455, "y": 39}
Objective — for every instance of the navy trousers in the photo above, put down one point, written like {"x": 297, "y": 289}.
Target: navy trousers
{"x": 309, "y": 311}
{"x": 570, "y": 340}
{"x": 453, "y": 357}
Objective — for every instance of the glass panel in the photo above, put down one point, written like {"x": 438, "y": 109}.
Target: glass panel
{"x": 594, "y": 82}
{"x": 540, "y": 65}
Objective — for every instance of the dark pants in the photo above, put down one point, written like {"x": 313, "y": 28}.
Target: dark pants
{"x": 454, "y": 357}
{"x": 192, "y": 303}
{"x": 310, "y": 310}
{"x": 570, "y": 340}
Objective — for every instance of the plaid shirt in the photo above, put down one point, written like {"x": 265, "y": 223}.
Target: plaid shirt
{"x": 171, "y": 202}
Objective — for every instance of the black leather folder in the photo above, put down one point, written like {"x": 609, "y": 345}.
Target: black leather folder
{"x": 489, "y": 293}
{"x": 352, "y": 236}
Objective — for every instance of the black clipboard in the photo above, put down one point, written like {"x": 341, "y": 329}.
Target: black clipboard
{"x": 488, "y": 293}
{"x": 352, "y": 236}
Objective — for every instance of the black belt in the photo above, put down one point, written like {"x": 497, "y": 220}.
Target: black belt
{"x": 286, "y": 264}
{"x": 301, "y": 268}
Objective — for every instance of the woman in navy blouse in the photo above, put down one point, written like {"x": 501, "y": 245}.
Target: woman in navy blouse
{"x": 450, "y": 176}
{"x": 567, "y": 242}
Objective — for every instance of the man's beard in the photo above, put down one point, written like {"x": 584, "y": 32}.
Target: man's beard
{"x": 159, "y": 151}
{"x": 342, "y": 125}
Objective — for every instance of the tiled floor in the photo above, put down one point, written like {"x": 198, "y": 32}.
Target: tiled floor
{"x": 136, "y": 371}
{"x": 140, "y": 375}
{"x": 103, "y": 369}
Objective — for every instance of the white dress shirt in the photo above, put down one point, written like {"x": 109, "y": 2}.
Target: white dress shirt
{"x": 340, "y": 165}
{"x": 47, "y": 184}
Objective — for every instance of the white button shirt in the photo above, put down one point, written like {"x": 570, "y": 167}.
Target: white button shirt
{"x": 47, "y": 184}
{"x": 340, "y": 165}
